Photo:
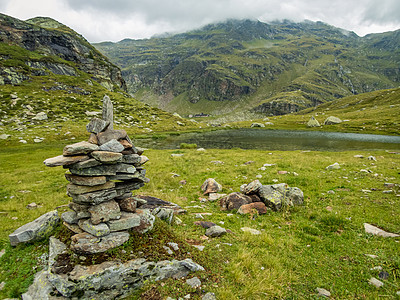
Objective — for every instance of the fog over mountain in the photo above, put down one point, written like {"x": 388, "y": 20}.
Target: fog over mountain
{"x": 101, "y": 20}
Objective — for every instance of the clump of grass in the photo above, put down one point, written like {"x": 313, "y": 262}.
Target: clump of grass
{"x": 188, "y": 146}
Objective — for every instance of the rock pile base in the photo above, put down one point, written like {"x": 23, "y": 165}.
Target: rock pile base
{"x": 103, "y": 171}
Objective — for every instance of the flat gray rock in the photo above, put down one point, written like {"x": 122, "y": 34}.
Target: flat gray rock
{"x": 79, "y": 148}
{"x": 86, "y": 243}
{"x": 97, "y": 125}
{"x": 194, "y": 282}
{"x": 97, "y": 230}
{"x": 377, "y": 231}
{"x": 36, "y": 229}
{"x": 112, "y": 146}
{"x": 95, "y": 198}
{"x": 104, "y": 212}
{"x": 215, "y": 231}
{"x": 62, "y": 160}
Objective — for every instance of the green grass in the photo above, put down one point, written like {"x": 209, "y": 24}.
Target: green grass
{"x": 319, "y": 244}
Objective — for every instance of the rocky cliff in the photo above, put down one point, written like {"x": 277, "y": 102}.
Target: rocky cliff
{"x": 42, "y": 45}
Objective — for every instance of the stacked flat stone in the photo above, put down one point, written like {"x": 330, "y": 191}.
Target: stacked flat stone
{"x": 102, "y": 174}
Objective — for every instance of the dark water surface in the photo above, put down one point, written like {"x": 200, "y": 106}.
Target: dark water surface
{"x": 276, "y": 140}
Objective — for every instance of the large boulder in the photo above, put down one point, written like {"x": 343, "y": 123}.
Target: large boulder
{"x": 313, "y": 122}
{"x": 332, "y": 121}
{"x": 234, "y": 201}
{"x": 278, "y": 195}
{"x": 35, "y": 230}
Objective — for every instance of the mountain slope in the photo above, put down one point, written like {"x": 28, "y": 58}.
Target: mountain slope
{"x": 42, "y": 45}
{"x": 248, "y": 65}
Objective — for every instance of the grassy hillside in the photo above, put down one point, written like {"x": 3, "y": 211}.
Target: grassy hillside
{"x": 320, "y": 244}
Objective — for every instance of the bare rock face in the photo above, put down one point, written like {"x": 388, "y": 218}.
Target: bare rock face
{"x": 234, "y": 201}
{"x": 211, "y": 186}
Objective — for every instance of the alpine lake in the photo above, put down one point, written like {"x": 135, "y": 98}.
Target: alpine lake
{"x": 284, "y": 140}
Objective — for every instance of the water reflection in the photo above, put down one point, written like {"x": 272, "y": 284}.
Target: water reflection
{"x": 277, "y": 140}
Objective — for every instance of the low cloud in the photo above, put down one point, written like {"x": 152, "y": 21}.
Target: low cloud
{"x": 100, "y": 20}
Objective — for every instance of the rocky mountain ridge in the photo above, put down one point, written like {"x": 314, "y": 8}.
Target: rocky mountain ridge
{"x": 42, "y": 45}
{"x": 247, "y": 65}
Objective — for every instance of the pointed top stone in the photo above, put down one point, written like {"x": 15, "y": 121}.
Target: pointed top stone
{"x": 108, "y": 111}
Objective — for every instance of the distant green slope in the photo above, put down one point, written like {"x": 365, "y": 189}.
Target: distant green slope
{"x": 269, "y": 68}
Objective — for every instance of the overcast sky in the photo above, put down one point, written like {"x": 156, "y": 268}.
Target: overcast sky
{"x": 114, "y": 20}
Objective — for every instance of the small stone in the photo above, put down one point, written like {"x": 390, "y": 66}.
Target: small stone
{"x": 383, "y": 275}
{"x": 215, "y": 196}
{"x": 194, "y": 282}
{"x": 377, "y": 231}
{"x": 256, "y": 207}
{"x": 335, "y": 166}
{"x": 37, "y": 140}
{"x": 282, "y": 172}
{"x": 215, "y": 231}
{"x": 176, "y": 155}
{"x": 2, "y": 252}
{"x": 200, "y": 248}
{"x": 40, "y": 116}
{"x": 174, "y": 246}
{"x": 323, "y": 292}
{"x": 2, "y": 285}
{"x": 126, "y": 144}
{"x": 79, "y": 148}
{"x": 112, "y": 146}
{"x": 169, "y": 251}
{"x": 371, "y": 158}
{"x": 204, "y": 224}
{"x": 211, "y": 186}
{"x": 209, "y": 296}
{"x": 250, "y": 230}
{"x": 375, "y": 282}
{"x": 4, "y": 136}
{"x": 32, "y": 205}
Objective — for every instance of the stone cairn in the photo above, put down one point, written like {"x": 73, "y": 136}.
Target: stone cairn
{"x": 102, "y": 173}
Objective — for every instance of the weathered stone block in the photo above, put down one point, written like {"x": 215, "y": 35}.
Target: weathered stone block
{"x": 97, "y": 230}
{"x": 83, "y": 189}
{"x": 107, "y": 157}
{"x": 104, "y": 212}
{"x": 234, "y": 201}
{"x": 62, "y": 160}
{"x": 36, "y": 229}
{"x": 79, "y": 148}
{"x": 87, "y": 181}
{"x": 128, "y": 204}
{"x": 88, "y": 244}
{"x": 108, "y": 135}
{"x": 97, "y": 125}
{"x": 95, "y": 197}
